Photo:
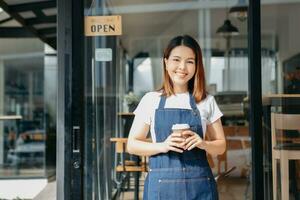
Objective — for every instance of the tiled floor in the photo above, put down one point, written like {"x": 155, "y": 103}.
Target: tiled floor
{"x": 23, "y": 189}
{"x": 14, "y": 172}
{"x": 234, "y": 189}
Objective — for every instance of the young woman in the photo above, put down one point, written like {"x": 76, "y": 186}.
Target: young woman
{"x": 178, "y": 167}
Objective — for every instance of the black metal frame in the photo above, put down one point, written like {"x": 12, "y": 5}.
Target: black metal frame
{"x": 70, "y": 113}
{"x": 15, "y": 32}
{"x": 255, "y": 99}
{"x": 32, "y": 6}
{"x": 28, "y": 24}
{"x": 5, "y": 20}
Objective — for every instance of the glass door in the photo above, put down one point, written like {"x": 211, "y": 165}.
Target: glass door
{"x": 281, "y": 98}
{"x": 114, "y": 88}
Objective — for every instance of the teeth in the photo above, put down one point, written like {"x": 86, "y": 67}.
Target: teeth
{"x": 180, "y": 73}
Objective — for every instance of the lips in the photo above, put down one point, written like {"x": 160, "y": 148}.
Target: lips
{"x": 181, "y": 74}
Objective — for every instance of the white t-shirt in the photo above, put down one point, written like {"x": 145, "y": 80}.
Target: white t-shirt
{"x": 145, "y": 111}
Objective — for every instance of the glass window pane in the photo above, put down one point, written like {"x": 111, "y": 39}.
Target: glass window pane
{"x": 27, "y": 118}
{"x": 113, "y": 89}
{"x": 281, "y": 97}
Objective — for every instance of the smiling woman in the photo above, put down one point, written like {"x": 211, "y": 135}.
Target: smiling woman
{"x": 183, "y": 57}
{"x": 179, "y": 159}
{"x": 181, "y": 67}
{"x": 145, "y": 57}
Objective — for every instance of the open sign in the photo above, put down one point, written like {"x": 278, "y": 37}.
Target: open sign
{"x": 103, "y": 25}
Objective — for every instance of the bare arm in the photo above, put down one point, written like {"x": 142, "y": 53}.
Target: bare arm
{"x": 136, "y": 141}
{"x": 217, "y": 143}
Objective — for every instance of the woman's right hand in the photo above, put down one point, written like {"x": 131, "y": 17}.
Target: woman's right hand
{"x": 174, "y": 142}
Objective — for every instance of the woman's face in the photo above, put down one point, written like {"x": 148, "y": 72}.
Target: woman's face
{"x": 181, "y": 67}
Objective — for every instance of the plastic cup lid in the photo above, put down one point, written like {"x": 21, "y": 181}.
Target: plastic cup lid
{"x": 180, "y": 126}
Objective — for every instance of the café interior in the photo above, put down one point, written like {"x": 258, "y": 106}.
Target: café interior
{"x": 28, "y": 85}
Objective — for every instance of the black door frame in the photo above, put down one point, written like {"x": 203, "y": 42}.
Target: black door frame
{"x": 70, "y": 111}
{"x": 70, "y": 108}
{"x": 255, "y": 98}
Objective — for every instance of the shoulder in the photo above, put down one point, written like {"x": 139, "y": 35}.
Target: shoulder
{"x": 208, "y": 104}
{"x": 152, "y": 94}
{"x": 150, "y": 98}
{"x": 208, "y": 100}
{"x": 210, "y": 109}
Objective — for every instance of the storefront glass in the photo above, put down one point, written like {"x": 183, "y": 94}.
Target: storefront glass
{"x": 114, "y": 88}
{"x": 281, "y": 95}
{"x": 25, "y": 113}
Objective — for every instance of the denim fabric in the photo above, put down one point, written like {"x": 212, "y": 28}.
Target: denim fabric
{"x": 182, "y": 176}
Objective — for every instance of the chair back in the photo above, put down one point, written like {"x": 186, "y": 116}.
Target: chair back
{"x": 236, "y": 130}
{"x": 121, "y": 144}
{"x": 283, "y": 122}
{"x": 234, "y": 135}
{"x": 123, "y": 161}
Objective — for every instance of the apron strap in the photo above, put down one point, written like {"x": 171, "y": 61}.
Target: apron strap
{"x": 194, "y": 106}
{"x": 196, "y": 112}
{"x": 162, "y": 102}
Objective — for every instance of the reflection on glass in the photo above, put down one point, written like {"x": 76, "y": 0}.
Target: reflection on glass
{"x": 25, "y": 119}
{"x": 112, "y": 87}
{"x": 281, "y": 99}
{"x": 25, "y": 138}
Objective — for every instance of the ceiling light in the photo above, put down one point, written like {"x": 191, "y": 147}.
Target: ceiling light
{"x": 227, "y": 29}
{"x": 240, "y": 10}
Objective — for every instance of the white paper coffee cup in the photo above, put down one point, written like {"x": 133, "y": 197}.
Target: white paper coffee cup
{"x": 180, "y": 127}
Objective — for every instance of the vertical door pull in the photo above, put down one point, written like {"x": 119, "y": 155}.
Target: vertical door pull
{"x": 76, "y": 139}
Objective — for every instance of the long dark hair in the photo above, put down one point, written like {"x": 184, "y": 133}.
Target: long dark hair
{"x": 197, "y": 84}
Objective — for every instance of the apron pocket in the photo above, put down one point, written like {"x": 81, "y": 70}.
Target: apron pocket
{"x": 185, "y": 189}
{"x": 171, "y": 189}
{"x": 200, "y": 189}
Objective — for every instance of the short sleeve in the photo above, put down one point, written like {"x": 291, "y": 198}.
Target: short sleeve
{"x": 214, "y": 111}
{"x": 143, "y": 110}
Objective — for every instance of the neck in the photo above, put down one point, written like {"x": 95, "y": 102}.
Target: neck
{"x": 181, "y": 89}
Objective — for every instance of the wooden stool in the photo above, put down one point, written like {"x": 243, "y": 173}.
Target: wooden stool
{"x": 128, "y": 165}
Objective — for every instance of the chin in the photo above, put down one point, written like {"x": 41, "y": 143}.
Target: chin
{"x": 180, "y": 82}
{"x": 184, "y": 80}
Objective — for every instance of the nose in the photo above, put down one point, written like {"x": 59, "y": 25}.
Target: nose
{"x": 182, "y": 65}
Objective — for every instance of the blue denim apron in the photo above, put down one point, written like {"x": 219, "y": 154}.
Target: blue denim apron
{"x": 179, "y": 176}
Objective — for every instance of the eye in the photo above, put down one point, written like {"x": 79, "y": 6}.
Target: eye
{"x": 191, "y": 62}
{"x": 175, "y": 59}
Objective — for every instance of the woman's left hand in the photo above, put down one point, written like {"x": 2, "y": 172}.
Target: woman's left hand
{"x": 192, "y": 140}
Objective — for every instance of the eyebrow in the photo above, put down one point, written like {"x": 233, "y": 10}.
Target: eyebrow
{"x": 187, "y": 58}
